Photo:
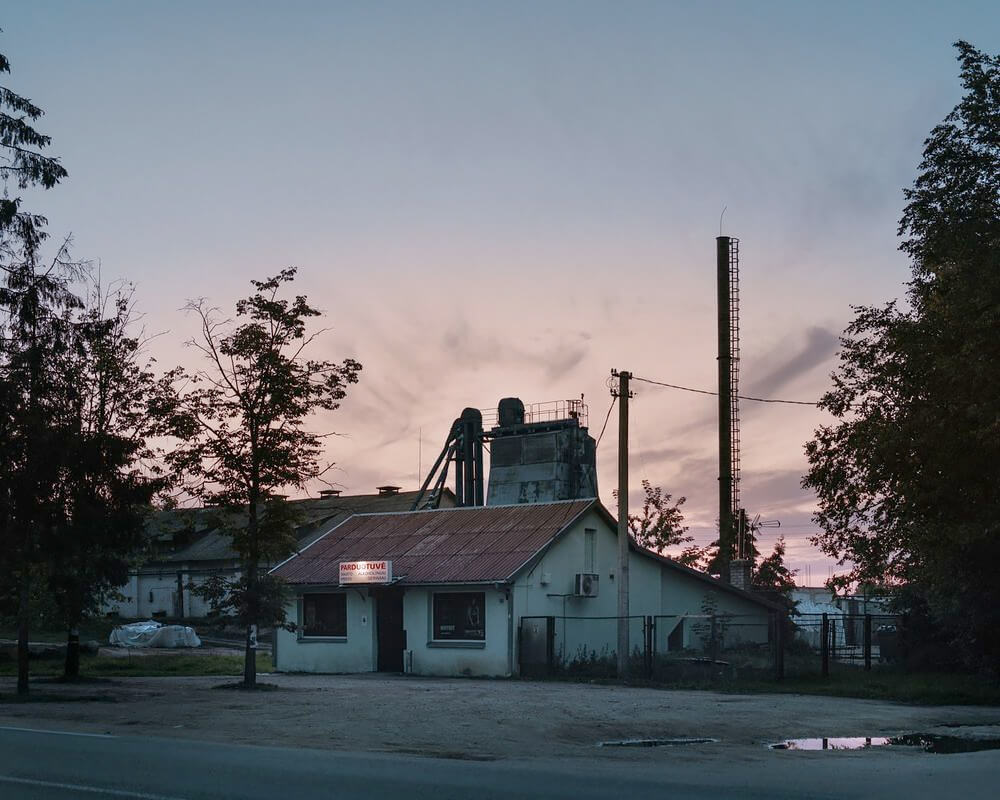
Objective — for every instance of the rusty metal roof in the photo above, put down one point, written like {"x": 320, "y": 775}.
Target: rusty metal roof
{"x": 454, "y": 545}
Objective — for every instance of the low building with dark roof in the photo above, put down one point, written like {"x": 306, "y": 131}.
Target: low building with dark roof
{"x": 489, "y": 590}
{"x": 187, "y": 545}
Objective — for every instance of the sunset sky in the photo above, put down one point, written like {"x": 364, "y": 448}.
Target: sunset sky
{"x": 492, "y": 199}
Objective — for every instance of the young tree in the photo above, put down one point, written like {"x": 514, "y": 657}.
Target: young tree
{"x": 907, "y": 478}
{"x": 660, "y": 525}
{"x": 772, "y": 574}
{"x": 241, "y": 423}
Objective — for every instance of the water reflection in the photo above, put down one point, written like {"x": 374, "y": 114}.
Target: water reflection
{"x": 833, "y": 743}
{"x": 930, "y": 743}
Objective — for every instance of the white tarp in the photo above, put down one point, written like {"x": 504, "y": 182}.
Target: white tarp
{"x": 154, "y": 634}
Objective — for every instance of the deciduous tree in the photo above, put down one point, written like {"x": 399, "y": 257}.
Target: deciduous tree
{"x": 907, "y": 478}
{"x": 241, "y": 421}
{"x": 660, "y": 525}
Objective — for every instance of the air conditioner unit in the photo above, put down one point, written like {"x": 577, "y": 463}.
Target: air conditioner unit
{"x": 585, "y": 585}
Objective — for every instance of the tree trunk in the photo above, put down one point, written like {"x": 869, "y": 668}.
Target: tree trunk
{"x": 71, "y": 670}
{"x": 22, "y": 638}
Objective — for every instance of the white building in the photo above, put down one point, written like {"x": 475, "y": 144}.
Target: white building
{"x": 458, "y": 592}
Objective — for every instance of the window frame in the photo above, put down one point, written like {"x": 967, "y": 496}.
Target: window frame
{"x": 302, "y": 636}
{"x": 590, "y": 551}
{"x": 433, "y": 641}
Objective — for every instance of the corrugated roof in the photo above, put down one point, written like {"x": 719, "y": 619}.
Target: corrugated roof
{"x": 459, "y": 545}
{"x": 317, "y": 516}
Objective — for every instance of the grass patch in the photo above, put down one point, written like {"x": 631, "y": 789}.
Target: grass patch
{"x": 97, "y": 629}
{"x": 923, "y": 688}
{"x": 143, "y": 666}
{"x": 41, "y": 697}
{"x": 258, "y": 687}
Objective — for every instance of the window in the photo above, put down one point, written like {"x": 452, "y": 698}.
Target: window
{"x": 589, "y": 550}
{"x": 324, "y": 615}
{"x": 460, "y": 616}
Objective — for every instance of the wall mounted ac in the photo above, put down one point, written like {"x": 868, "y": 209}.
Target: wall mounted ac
{"x": 585, "y": 585}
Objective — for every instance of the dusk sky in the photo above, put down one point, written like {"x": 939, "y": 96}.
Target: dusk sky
{"x": 496, "y": 199}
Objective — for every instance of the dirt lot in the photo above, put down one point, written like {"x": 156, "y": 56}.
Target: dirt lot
{"x": 465, "y": 718}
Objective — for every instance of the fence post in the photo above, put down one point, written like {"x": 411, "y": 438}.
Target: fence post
{"x": 648, "y": 654}
{"x": 779, "y": 645}
{"x": 713, "y": 643}
{"x": 868, "y": 642}
{"x": 824, "y": 637}
{"x": 550, "y": 645}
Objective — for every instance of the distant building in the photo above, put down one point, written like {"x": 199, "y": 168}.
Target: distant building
{"x": 191, "y": 544}
{"x": 482, "y": 590}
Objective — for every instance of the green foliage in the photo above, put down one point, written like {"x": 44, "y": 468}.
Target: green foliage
{"x": 22, "y": 164}
{"x": 771, "y": 572}
{"x": 108, "y": 478}
{"x": 907, "y": 478}
{"x": 240, "y": 423}
{"x": 660, "y": 525}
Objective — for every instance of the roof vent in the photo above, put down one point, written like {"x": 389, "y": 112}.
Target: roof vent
{"x": 387, "y": 490}
{"x": 329, "y": 492}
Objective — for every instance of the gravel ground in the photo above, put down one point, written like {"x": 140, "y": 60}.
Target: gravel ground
{"x": 471, "y": 719}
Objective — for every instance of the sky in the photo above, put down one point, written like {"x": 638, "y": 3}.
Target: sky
{"x": 510, "y": 199}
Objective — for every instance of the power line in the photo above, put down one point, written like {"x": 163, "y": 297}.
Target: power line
{"x": 716, "y": 394}
{"x": 605, "y": 425}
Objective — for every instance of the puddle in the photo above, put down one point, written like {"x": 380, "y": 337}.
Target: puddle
{"x": 930, "y": 743}
{"x": 654, "y": 742}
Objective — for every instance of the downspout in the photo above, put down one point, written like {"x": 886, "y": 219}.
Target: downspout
{"x": 509, "y": 599}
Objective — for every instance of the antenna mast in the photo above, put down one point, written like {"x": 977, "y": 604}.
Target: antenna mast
{"x": 732, "y": 540}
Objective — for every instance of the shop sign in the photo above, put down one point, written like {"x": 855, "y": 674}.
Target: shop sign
{"x": 365, "y": 572}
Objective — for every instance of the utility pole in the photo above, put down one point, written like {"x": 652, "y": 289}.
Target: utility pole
{"x": 623, "y": 394}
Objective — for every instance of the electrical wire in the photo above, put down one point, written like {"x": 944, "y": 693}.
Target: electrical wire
{"x": 716, "y": 394}
{"x": 614, "y": 399}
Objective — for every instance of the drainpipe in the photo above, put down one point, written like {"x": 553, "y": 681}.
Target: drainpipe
{"x": 509, "y": 600}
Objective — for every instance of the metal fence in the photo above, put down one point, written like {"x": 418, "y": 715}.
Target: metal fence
{"x": 825, "y": 643}
{"x": 662, "y": 648}
{"x": 708, "y": 647}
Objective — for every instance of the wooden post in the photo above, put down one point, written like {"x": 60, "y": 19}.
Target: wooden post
{"x": 623, "y": 533}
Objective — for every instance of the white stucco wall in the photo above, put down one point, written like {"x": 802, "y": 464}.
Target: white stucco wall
{"x": 544, "y": 590}
{"x": 683, "y": 601}
{"x": 489, "y": 658}
{"x": 355, "y": 653}
{"x": 129, "y": 607}
{"x": 654, "y": 589}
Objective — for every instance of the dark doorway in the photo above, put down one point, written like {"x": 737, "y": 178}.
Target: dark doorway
{"x": 391, "y": 636}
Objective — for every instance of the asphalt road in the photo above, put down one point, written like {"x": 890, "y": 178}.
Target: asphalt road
{"x": 61, "y": 764}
